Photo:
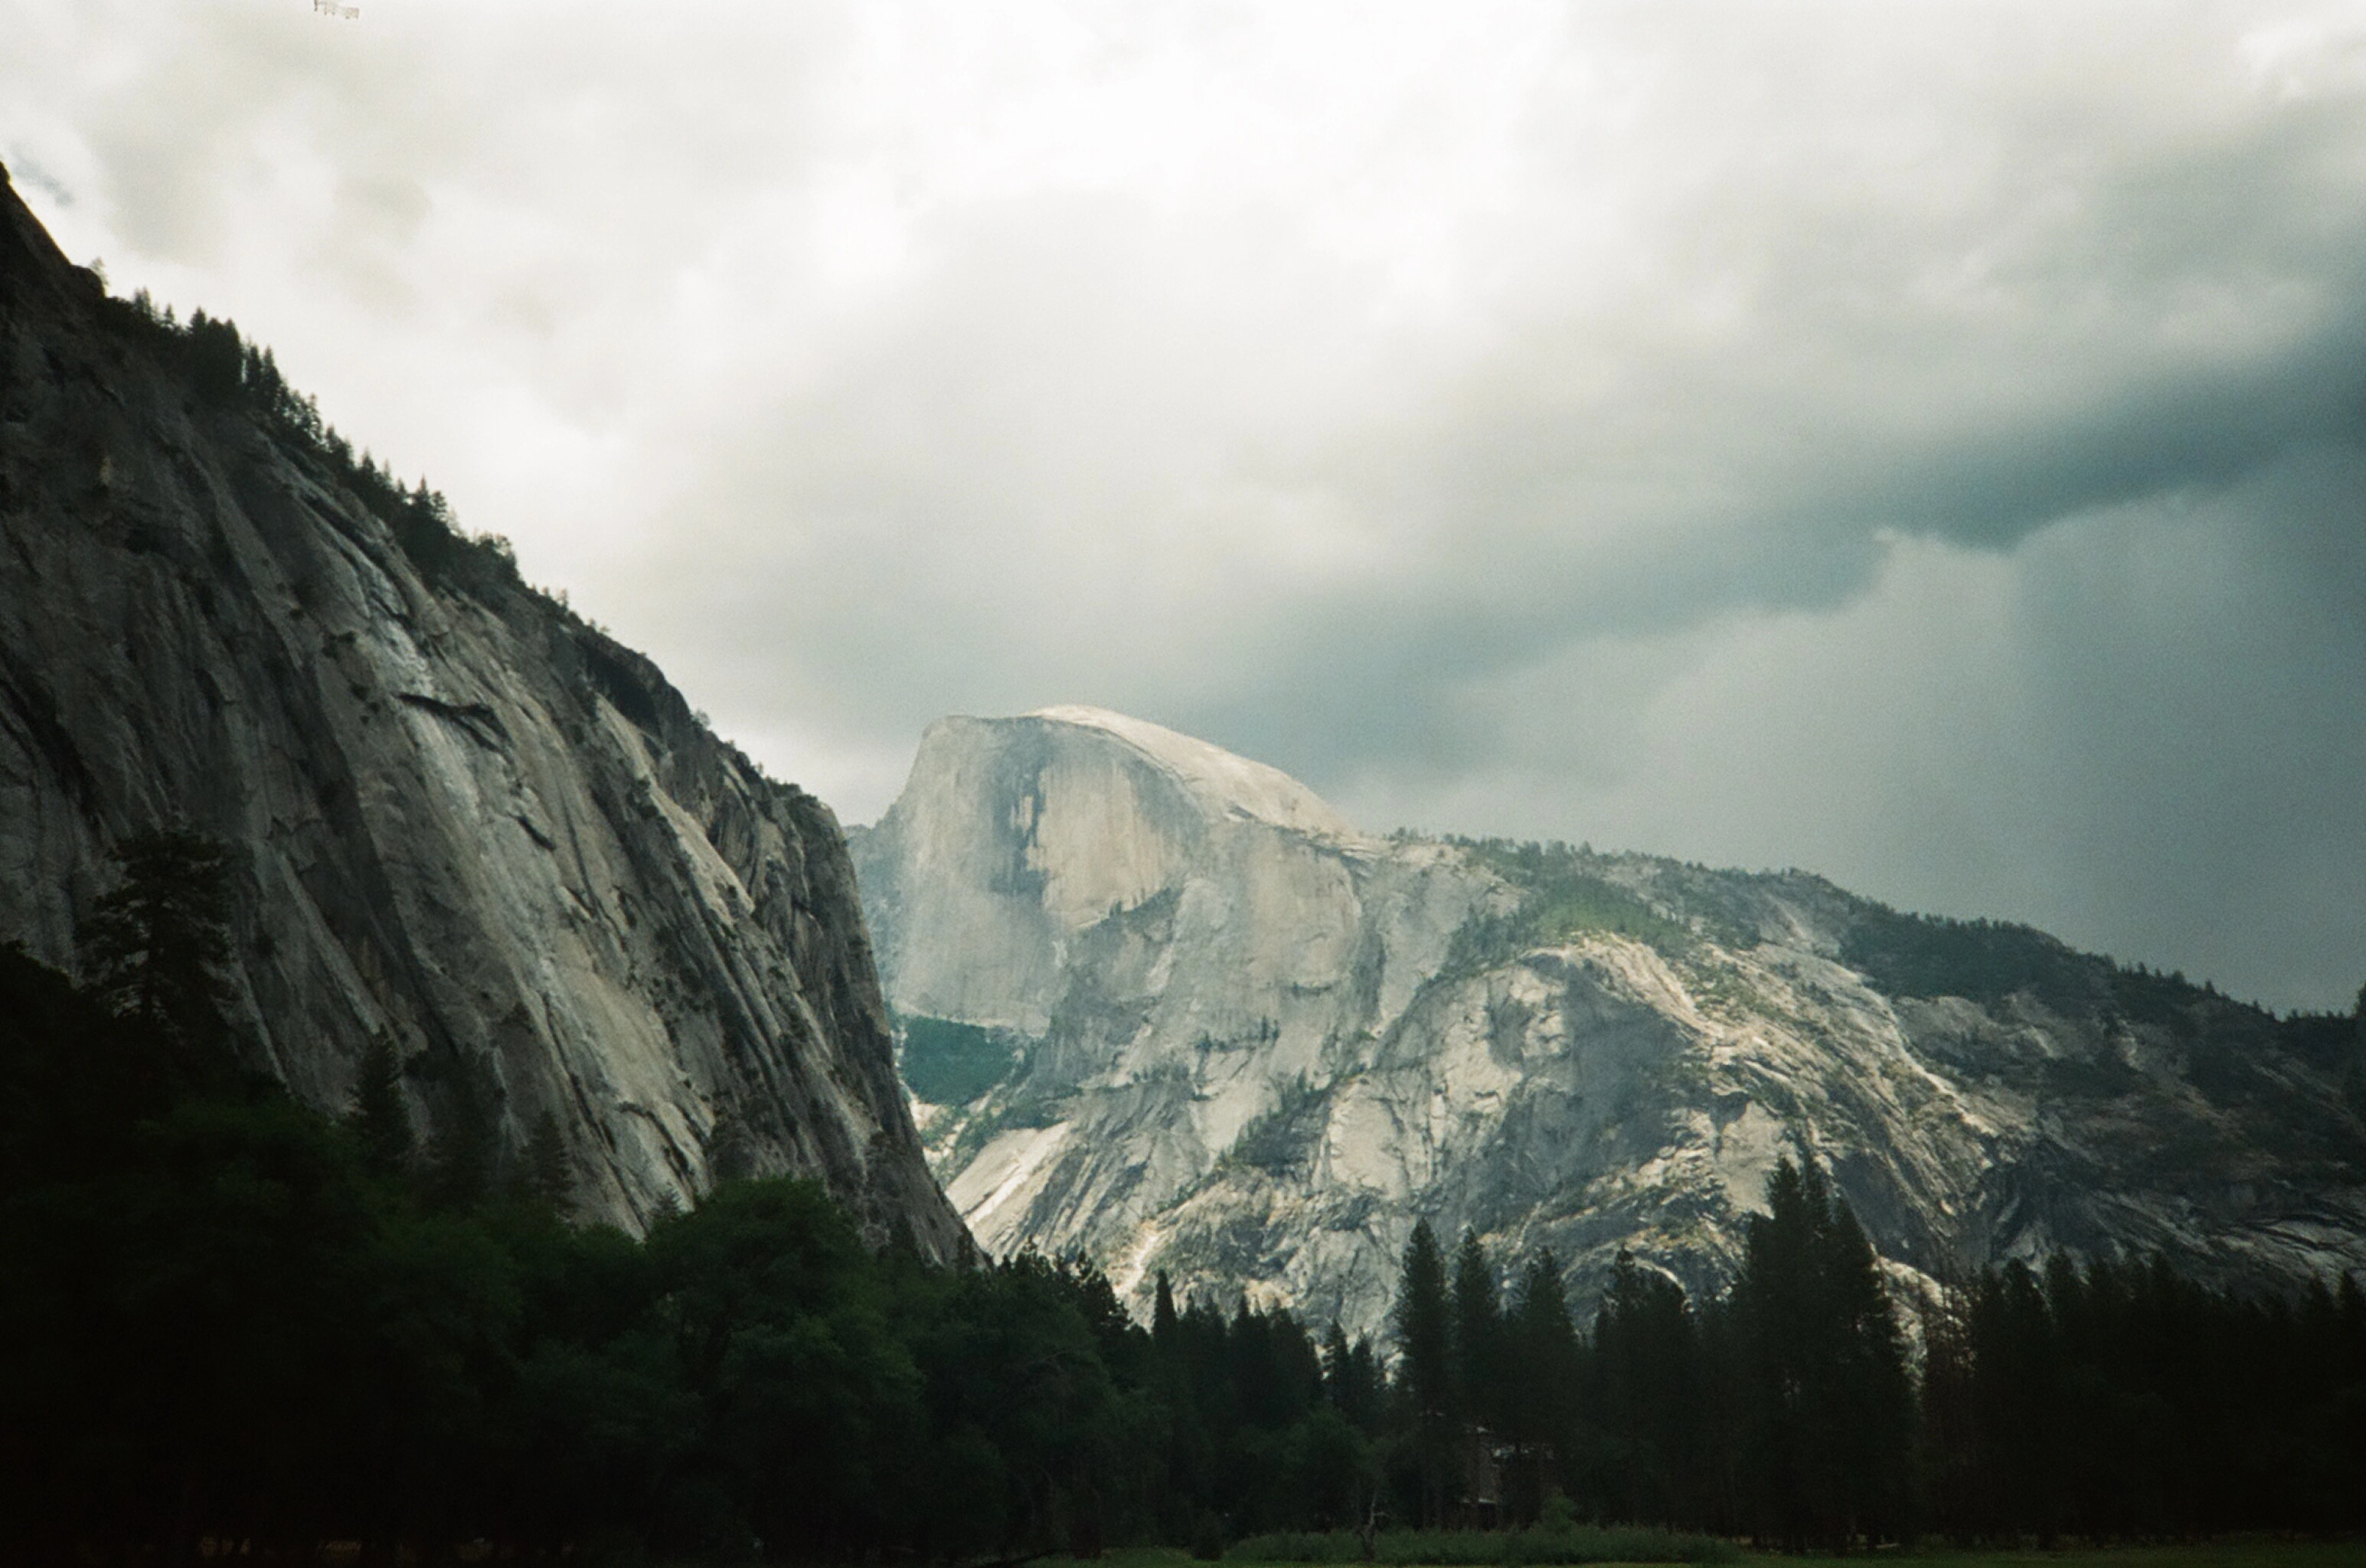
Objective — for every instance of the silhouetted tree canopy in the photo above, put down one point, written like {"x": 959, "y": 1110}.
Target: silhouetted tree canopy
{"x": 243, "y": 1321}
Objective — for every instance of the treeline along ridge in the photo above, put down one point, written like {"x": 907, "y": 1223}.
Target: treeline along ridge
{"x": 238, "y": 1320}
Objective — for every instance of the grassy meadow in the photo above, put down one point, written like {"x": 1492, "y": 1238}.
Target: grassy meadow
{"x": 2247, "y": 1554}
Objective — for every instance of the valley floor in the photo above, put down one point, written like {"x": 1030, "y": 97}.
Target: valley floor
{"x": 2253, "y": 1553}
{"x": 2244, "y": 1553}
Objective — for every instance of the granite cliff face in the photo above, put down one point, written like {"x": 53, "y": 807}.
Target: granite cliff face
{"x": 1161, "y": 1005}
{"x": 462, "y": 818}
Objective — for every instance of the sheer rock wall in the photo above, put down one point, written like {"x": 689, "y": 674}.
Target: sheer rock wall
{"x": 1230, "y": 1037}
{"x": 462, "y": 818}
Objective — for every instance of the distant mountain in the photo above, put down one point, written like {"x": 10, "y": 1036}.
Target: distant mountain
{"x": 1162, "y": 1005}
{"x": 462, "y": 819}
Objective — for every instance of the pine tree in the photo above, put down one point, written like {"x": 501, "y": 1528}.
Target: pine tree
{"x": 1650, "y": 1400}
{"x": 730, "y": 1150}
{"x": 2017, "y": 1396}
{"x": 215, "y": 357}
{"x": 158, "y": 943}
{"x": 547, "y": 1173}
{"x": 1336, "y": 1358}
{"x": 1541, "y": 1370}
{"x": 1351, "y": 1379}
{"x": 1775, "y": 1311}
{"x": 1828, "y": 1403}
{"x": 1162, "y": 1312}
{"x": 1478, "y": 1371}
{"x": 379, "y": 1115}
{"x": 1478, "y": 1336}
{"x": 1948, "y": 1422}
{"x": 467, "y": 1145}
{"x": 1422, "y": 1323}
{"x": 1873, "y": 1394}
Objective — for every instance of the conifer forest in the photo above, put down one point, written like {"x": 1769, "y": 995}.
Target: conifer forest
{"x": 242, "y": 1321}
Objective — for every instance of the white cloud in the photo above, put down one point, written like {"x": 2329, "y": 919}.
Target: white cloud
{"x": 1509, "y": 410}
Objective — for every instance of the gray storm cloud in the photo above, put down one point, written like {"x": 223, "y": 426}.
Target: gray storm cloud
{"x": 1922, "y": 444}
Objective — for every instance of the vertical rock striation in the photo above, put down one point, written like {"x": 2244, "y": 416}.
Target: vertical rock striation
{"x": 1166, "y": 941}
{"x": 1162, "y": 1006}
{"x": 463, "y": 819}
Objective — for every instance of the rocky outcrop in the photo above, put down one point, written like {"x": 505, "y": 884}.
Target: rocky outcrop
{"x": 1163, "y": 939}
{"x": 462, "y": 818}
{"x": 1162, "y": 1006}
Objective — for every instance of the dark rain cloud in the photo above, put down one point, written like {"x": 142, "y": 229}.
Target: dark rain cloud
{"x": 1921, "y": 445}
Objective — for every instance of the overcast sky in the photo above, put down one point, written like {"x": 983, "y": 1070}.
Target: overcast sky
{"x": 1922, "y": 443}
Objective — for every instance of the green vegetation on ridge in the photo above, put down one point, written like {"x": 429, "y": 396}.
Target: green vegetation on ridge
{"x": 2227, "y": 1047}
{"x": 1561, "y": 895}
{"x": 225, "y": 372}
{"x": 948, "y": 1062}
{"x": 1983, "y": 961}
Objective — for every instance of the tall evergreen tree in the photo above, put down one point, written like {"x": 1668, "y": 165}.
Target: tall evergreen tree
{"x": 465, "y": 1153}
{"x": 1650, "y": 1394}
{"x": 1828, "y": 1401}
{"x": 1948, "y": 1437}
{"x": 1541, "y": 1365}
{"x": 379, "y": 1115}
{"x": 1422, "y": 1321}
{"x": 1162, "y": 1312}
{"x": 545, "y": 1175}
{"x": 1478, "y": 1336}
{"x": 158, "y": 943}
{"x": 1351, "y": 1379}
{"x": 1874, "y": 1391}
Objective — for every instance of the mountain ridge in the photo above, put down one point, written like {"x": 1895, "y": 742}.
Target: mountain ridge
{"x": 1221, "y": 777}
{"x": 462, "y": 819}
{"x": 1260, "y": 1064}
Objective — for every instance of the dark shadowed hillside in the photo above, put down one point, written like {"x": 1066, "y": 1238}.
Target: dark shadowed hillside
{"x": 462, "y": 821}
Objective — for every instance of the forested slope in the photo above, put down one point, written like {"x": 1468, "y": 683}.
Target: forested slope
{"x": 241, "y": 1325}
